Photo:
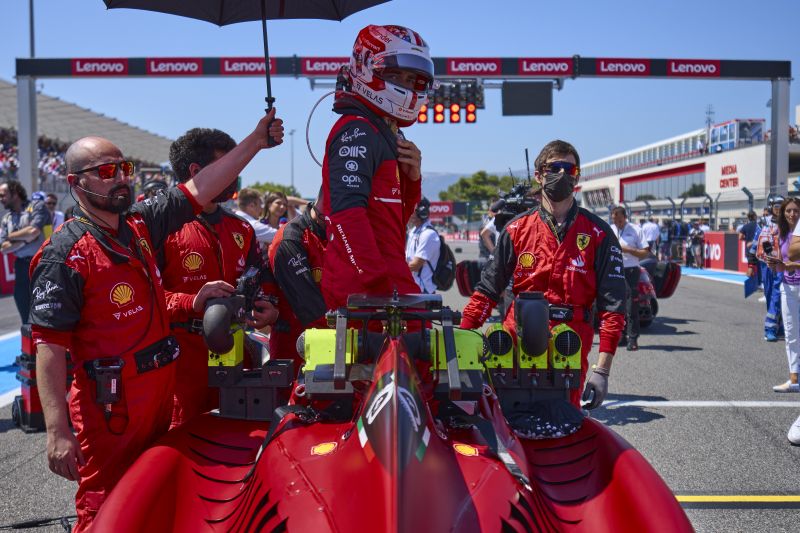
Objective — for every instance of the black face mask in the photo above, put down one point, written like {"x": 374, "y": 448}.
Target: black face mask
{"x": 558, "y": 187}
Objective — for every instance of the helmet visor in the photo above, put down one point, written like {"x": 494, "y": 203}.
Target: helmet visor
{"x": 421, "y": 66}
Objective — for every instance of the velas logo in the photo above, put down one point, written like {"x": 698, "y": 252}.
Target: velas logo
{"x": 694, "y": 68}
{"x": 245, "y": 66}
{"x": 100, "y": 67}
{"x": 622, "y": 67}
{"x": 321, "y": 66}
{"x": 178, "y": 66}
{"x": 551, "y": 66}
{"x": 479, "y": 65}
{"x": 121, "y": 294}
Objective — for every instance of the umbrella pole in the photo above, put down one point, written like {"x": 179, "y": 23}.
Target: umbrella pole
{"x": 269, "y": 99}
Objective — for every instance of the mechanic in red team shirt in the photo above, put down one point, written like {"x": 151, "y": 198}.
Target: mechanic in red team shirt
{"x": 295, "y": 258}
{"x": 570, "y": 255}
{"x": 371, "y": 175}
{"x": 97, "y": 292}
{"x": 203, "y": 260}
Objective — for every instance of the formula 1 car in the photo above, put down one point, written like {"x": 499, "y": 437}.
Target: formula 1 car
{"x": 397, "y": 426}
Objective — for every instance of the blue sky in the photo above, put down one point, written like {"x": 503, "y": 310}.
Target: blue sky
{"x": 599, "y": 116}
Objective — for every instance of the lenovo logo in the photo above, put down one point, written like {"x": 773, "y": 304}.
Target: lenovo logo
{"x": 474, "y": 66}
{"x": 323, "y": 65}
{"x": 695, "y": 68}
{"x": 173, "y": 67}
{"x": 546, "y": 67}
{"x": 623, "y": 67}
{"x": 245, "y": 66}
{"x": 99, "y": 67}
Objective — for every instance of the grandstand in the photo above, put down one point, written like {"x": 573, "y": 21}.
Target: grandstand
{"x": 59, "y": 124}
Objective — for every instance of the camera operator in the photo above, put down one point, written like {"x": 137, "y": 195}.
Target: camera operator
{"x": 570, "y": 255}
{"x": 203, "y": 260}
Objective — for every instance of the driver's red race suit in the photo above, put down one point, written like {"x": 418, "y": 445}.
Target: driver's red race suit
{"x": 577, "y": 265}
{"x": 100, "y": 296}
{"x": 366, "y": 202}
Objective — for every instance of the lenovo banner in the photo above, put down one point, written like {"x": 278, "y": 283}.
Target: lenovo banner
{"x": 622, "y": 67}
{"x": 178, "y": 66}
{"x": 100, "y": 67}
{"x": 546, "y": 67}
{"x": 440, "y": 210}
{"x": 245, "y": 66}
{"x": 474, "y": 66}
{"x": 322, "y": 66}
{"x": 693, "y": 68}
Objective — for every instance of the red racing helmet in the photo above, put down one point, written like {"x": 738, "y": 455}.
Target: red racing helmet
{"x": 380, "y": 48}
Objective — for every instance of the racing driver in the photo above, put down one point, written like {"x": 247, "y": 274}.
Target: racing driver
{"x": 570, "y": 255}
{"x": 371, "y": 175}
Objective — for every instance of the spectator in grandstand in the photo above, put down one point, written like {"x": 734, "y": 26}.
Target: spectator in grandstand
{"x": 422, "y": 247}
{"x": 250, "y": 208}
{"x": 696, "y": 242}
{"x": 22, "y": 232}
{"x": 766, "y": 242}
{"x": 634, "y": 248}
{"x": 789, "y": 289}
{"x": 275, "y": 210}
{"x": 652, "y": 233}
{"x": 57, "y": 217}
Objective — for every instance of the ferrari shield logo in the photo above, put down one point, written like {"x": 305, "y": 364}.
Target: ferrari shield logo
{"x": 144, "y": 246}
{"x": 239, "y": 238}
{"x": 583, "y": 241}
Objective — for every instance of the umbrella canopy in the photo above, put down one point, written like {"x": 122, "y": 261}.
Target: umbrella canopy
{"x": 223, "y": 12}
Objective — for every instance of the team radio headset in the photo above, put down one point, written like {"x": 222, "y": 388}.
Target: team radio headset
{"x": 107, "y": 371}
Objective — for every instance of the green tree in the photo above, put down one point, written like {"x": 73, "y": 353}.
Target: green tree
{"x": 697, "y": 189}
{"x": 267, "y": 186}
{"x": 478, "y": 189}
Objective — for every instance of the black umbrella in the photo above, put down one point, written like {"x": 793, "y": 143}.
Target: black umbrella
{"x": 224, "y": 12}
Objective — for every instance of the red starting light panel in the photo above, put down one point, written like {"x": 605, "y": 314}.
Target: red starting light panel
{"x": 455, "y": 117}
{"x": 471, "y": 118}
{"x": 438, "y": 118}
{"x": 455, "y": 108}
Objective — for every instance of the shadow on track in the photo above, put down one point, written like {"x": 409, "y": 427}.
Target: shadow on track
{"x": 627, "y": 414}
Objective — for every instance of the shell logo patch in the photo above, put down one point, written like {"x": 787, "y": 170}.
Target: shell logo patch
{"x": 583, "y": 241}
{"x": 193, "y": 262}
{"x": 121, "y": 294}
{"x": 325, "y": 448}
{"x": 465, "y": 450}
{"x": 316, "y": 273}
{"x": 526, "y": 260}
{"x": 144, "y": 245}
{"x": 239, "y": 239}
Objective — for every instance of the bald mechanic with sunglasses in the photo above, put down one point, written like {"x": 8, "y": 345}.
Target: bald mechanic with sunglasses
{"x": 567, "y": 253}
{"x": 98, "y": 293}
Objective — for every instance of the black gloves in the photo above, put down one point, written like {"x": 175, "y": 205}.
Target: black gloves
{"x": 596, "y": 389}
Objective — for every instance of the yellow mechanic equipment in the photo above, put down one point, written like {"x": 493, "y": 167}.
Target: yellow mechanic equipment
{"x": 469, "y": 349}
{"x": 234, "y": 357}
{"x": 565, "y": 347}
